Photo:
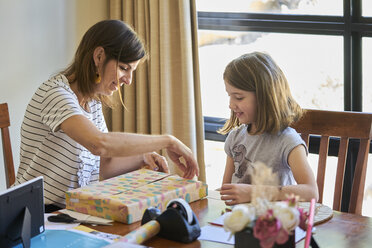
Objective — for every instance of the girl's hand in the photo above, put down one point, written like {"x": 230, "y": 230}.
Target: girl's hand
{"x": 156, "y": 162}
{"x": 234, "y": 194}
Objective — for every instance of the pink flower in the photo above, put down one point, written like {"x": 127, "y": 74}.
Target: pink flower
{"x": 292, "y": 200}
{"x": 268, "y": 230}
{"x": 282, "y": 236}
{"x": 271, "y": 223}
{"x": 303, "y": 218}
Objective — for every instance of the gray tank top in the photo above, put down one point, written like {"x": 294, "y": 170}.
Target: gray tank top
{"x": 271, "y": 149}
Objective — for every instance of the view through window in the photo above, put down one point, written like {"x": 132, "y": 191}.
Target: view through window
{"x": 309, "y": 7}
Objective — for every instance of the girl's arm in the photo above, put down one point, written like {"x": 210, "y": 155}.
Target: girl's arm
{"x": 233, "y": 193}
{"x": 306, "y": 187}
{"x": 117, "y": 144}
{"x": 229, "y": 170}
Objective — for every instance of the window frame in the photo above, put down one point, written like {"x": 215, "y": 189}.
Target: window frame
{"x": 351, "y": 25}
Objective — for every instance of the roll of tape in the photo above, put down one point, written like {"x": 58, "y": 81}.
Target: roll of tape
{"x": 184, "y": 205}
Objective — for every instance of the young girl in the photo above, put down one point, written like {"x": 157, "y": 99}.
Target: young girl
{"x": 262, "y": 109}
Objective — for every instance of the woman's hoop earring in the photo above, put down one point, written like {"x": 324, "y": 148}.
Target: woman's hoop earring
{"x": 98, "y": 78}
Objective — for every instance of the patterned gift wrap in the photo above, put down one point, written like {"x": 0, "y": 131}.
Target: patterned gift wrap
{"x": 125, "y": 198}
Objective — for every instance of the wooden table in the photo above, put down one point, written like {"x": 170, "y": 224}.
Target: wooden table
{"x": 343, "y": 230}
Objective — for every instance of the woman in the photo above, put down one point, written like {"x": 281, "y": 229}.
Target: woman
{"x": 64, "y": 135}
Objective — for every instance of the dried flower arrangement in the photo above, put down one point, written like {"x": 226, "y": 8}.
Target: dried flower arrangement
{"x": 272, "y": 222}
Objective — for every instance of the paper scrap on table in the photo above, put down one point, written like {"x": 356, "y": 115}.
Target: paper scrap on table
{"x": 216, "y": 234}
{"x": 219, "y": 220}
{"x": 57, "y": 225}
{"x": 81, "y": 216}
{"x": 299, "y": 234}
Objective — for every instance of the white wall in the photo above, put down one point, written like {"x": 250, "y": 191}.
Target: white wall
{"x": 37, "y": 39}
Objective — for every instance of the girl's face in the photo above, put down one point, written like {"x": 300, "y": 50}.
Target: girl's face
{"x": 243, "y": 103}
{"x": 114, "y": 72}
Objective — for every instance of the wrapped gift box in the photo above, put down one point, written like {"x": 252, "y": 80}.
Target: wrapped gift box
{"x": 124, "y": 198}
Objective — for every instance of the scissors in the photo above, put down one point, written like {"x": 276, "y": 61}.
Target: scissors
{"x": 65, "y": 218}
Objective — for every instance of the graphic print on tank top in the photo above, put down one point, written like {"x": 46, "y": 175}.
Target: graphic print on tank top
{"x": 243, "y": 164}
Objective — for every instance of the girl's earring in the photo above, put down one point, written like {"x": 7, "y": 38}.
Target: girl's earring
{"x": 98, "y": 78}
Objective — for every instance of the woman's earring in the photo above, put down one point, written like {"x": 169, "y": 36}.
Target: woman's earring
{"x": 98, "y": 78}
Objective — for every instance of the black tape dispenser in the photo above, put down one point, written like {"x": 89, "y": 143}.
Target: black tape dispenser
{"x": 178, "y": 222}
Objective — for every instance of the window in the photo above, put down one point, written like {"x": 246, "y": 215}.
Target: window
{"x": 313, "y": 65}
{"x": 367, "y": 7}
{"x": 310, "y": 7}
{"x": 323, "y": 47}
{"x": 367, "y": 74}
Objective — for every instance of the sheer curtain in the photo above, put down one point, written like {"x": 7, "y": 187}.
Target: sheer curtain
{"x": 164, "y": 97}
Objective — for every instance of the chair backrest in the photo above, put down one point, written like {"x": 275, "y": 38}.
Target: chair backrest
{"x": 344, "y": 125}
{"x": 7, "y": 148}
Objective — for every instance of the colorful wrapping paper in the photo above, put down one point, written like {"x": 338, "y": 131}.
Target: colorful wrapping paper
{"x": 126, "y": 197}
{"x": 142, "y": 234}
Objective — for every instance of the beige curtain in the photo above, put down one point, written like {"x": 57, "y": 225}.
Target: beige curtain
{"x": 164, "y": 97}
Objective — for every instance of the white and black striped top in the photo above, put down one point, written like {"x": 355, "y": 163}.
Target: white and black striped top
{"x": 46, "y": 150}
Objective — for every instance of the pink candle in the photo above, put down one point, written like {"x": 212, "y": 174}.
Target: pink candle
{"x": 310, "y": 223}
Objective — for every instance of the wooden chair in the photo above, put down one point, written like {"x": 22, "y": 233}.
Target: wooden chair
{"x": 7, "y": 149}
{"x": 344, "y": 125}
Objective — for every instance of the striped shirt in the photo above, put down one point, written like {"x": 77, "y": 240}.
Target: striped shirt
{"x": 47, "y": 151}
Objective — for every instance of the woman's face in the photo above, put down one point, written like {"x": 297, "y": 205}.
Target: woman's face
{"x": 243, "y": 103}
{"x": 115, "y": 74}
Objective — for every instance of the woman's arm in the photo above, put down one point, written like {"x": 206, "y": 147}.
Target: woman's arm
{"x": 112, "y": 144}
{"x": 111, "y": 167}
{"x": 117, "y": 144}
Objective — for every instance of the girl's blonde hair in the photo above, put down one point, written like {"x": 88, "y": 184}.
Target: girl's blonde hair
{"x": 276, "y": 108}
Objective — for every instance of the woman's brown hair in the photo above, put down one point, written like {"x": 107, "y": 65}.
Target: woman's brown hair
{"x": 276, "y": 108}
{"x": 119, "y": 42}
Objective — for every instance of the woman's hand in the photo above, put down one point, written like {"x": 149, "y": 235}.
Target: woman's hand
{"x": 156, "y": 162}
{"x": 178, "y": 150}
{"x": 234, "y": 194}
